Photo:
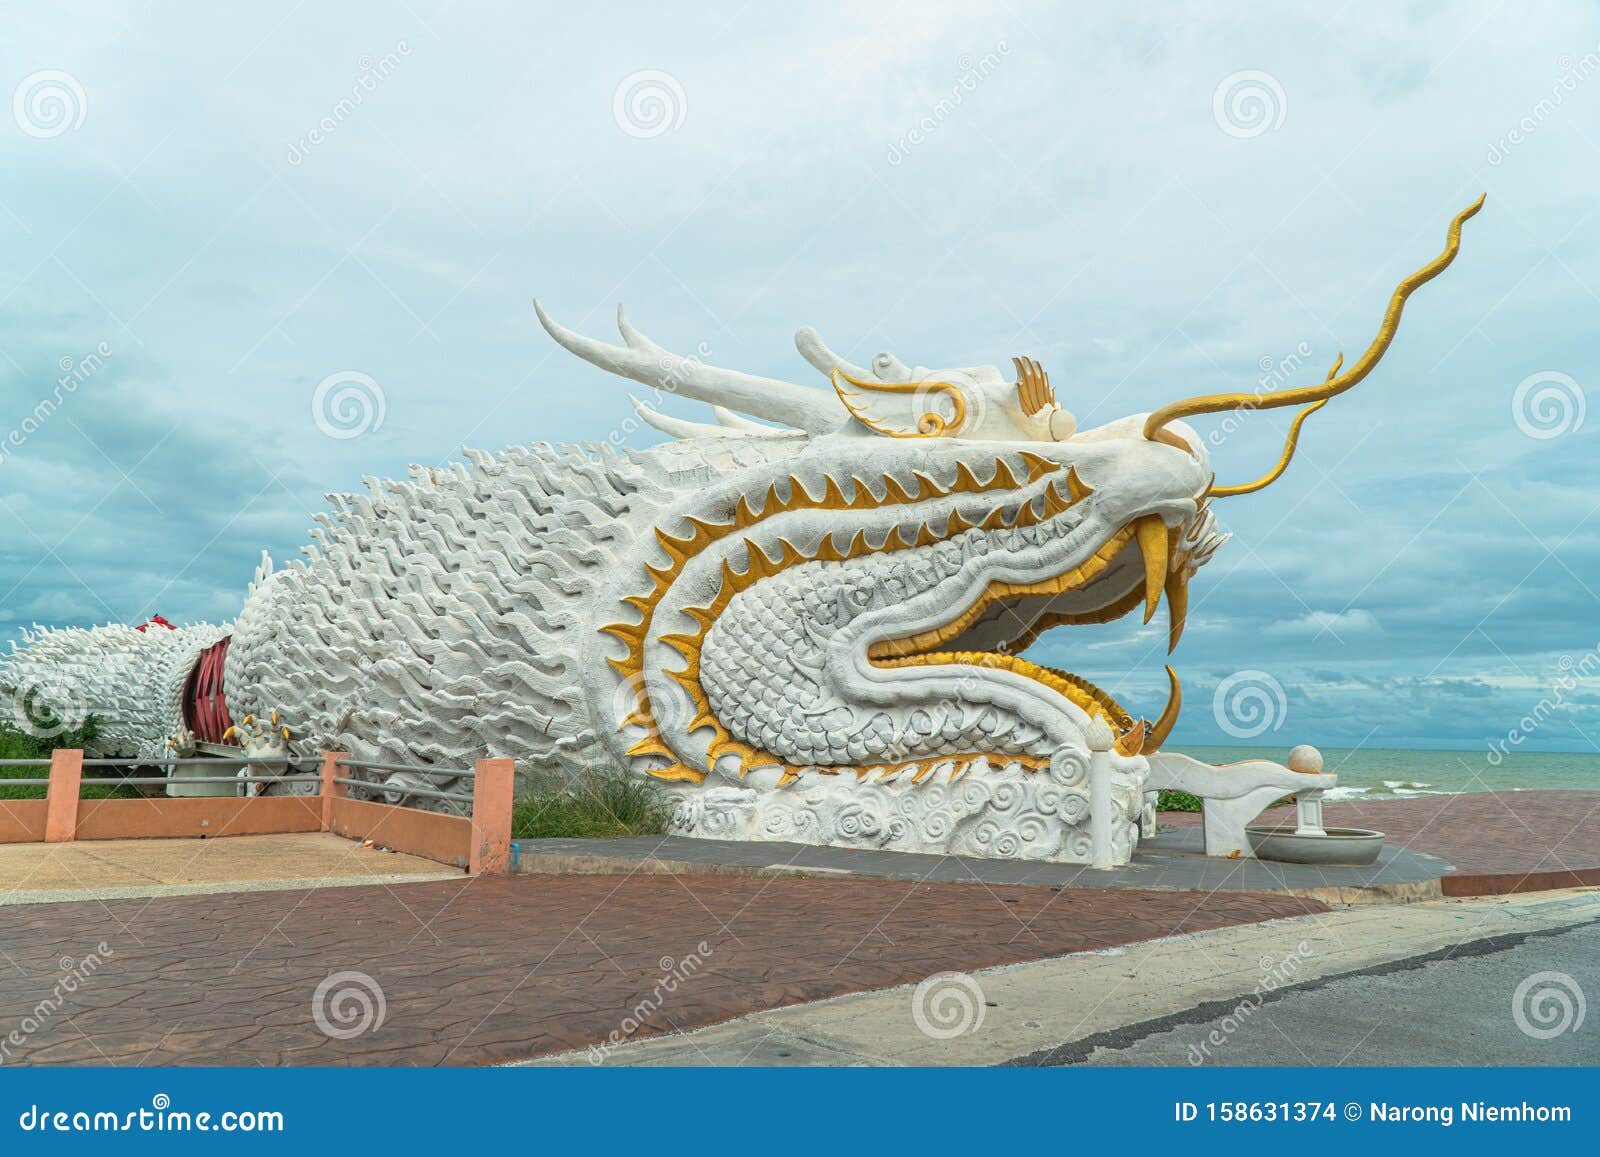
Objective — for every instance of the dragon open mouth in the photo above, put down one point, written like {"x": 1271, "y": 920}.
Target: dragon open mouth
{"x": 1132, "y": 567}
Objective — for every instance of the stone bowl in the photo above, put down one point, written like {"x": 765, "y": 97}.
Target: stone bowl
{"x": 1343, "y": 846}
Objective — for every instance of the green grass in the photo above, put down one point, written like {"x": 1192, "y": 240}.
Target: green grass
{"x": 596, "y": 806}
{"x": 1182, "y": 801}
{"x": 18, "y": 744}
{"x": 1177, "y": 801}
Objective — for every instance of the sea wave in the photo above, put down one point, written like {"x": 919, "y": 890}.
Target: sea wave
{"x": 1387, "y": 789}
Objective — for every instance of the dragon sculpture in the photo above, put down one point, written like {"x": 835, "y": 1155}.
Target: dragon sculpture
{"x": 805, "y": 619}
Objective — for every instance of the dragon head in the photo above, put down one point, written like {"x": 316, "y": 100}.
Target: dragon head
{"x": 846, "y": 585}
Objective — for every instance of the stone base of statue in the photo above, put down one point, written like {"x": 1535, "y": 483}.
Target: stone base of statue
{"x": 999, "y": 811}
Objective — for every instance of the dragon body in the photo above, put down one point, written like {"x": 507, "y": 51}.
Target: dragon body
{"x": 804, "y": 620}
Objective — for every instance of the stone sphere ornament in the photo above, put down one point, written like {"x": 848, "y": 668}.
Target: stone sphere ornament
{"x": 1305, "y": 759}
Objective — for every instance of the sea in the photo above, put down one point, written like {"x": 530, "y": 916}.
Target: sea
{"x": 1389, "y": 773}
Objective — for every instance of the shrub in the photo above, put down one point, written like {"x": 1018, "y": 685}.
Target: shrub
{"x": 598, "y": 805}
{"x": 1177, "y": 801}
{"x": 18, "y": 744}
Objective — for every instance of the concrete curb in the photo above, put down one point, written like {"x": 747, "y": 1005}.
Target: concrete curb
{"x": 1174, "y": 863}
{"x": 582, "y": 864}
{"x": 1455, "y": 885}
{"x": 212, "y": 888}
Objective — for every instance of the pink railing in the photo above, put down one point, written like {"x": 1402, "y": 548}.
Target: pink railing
{"x": 480, "y": 844}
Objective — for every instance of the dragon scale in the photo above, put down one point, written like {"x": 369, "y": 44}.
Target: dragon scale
{"x": 804, "y": 620}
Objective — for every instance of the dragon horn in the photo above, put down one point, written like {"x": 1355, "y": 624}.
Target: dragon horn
{"x": 644, "y": 361}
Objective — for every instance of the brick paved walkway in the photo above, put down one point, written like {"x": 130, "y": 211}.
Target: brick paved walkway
{"x": 503, "y": 969}
{"x": 1498, "y": 841}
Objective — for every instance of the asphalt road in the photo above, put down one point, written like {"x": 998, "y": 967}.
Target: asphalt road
{"x": 1451, "y": 1008}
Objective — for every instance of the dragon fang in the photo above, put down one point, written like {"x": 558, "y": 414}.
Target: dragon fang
{"x": 804, "y": 618}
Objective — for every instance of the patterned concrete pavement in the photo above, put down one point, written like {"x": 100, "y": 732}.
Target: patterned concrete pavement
{"x": 476, "y": 972}
{"x": 1498, "y": 842}
{"x": 492, "y": 970}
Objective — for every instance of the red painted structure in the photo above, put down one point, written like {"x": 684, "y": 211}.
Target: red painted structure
{"x": 205, "y": 707}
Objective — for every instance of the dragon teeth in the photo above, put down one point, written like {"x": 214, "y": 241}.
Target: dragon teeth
{"x": 1152, "y": 535}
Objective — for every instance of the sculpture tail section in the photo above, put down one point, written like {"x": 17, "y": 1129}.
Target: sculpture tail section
{"x": 141, "y": 684}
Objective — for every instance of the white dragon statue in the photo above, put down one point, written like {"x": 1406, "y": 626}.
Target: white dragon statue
{"x": 806, "y": 619}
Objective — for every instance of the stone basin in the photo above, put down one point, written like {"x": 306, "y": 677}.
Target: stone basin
{"x": 1350, "y": 846}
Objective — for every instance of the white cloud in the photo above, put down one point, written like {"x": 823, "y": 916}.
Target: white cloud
{"x": 1315, "y": 624}
{"x": 1080, "y": 205}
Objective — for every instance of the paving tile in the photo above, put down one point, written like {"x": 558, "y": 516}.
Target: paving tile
{"x": 511, "y": 968}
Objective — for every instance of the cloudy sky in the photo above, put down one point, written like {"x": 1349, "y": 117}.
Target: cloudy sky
{"x": 203, "y": 217}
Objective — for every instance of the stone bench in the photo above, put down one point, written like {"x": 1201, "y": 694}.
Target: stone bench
{"x": 1234, "y": 794}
